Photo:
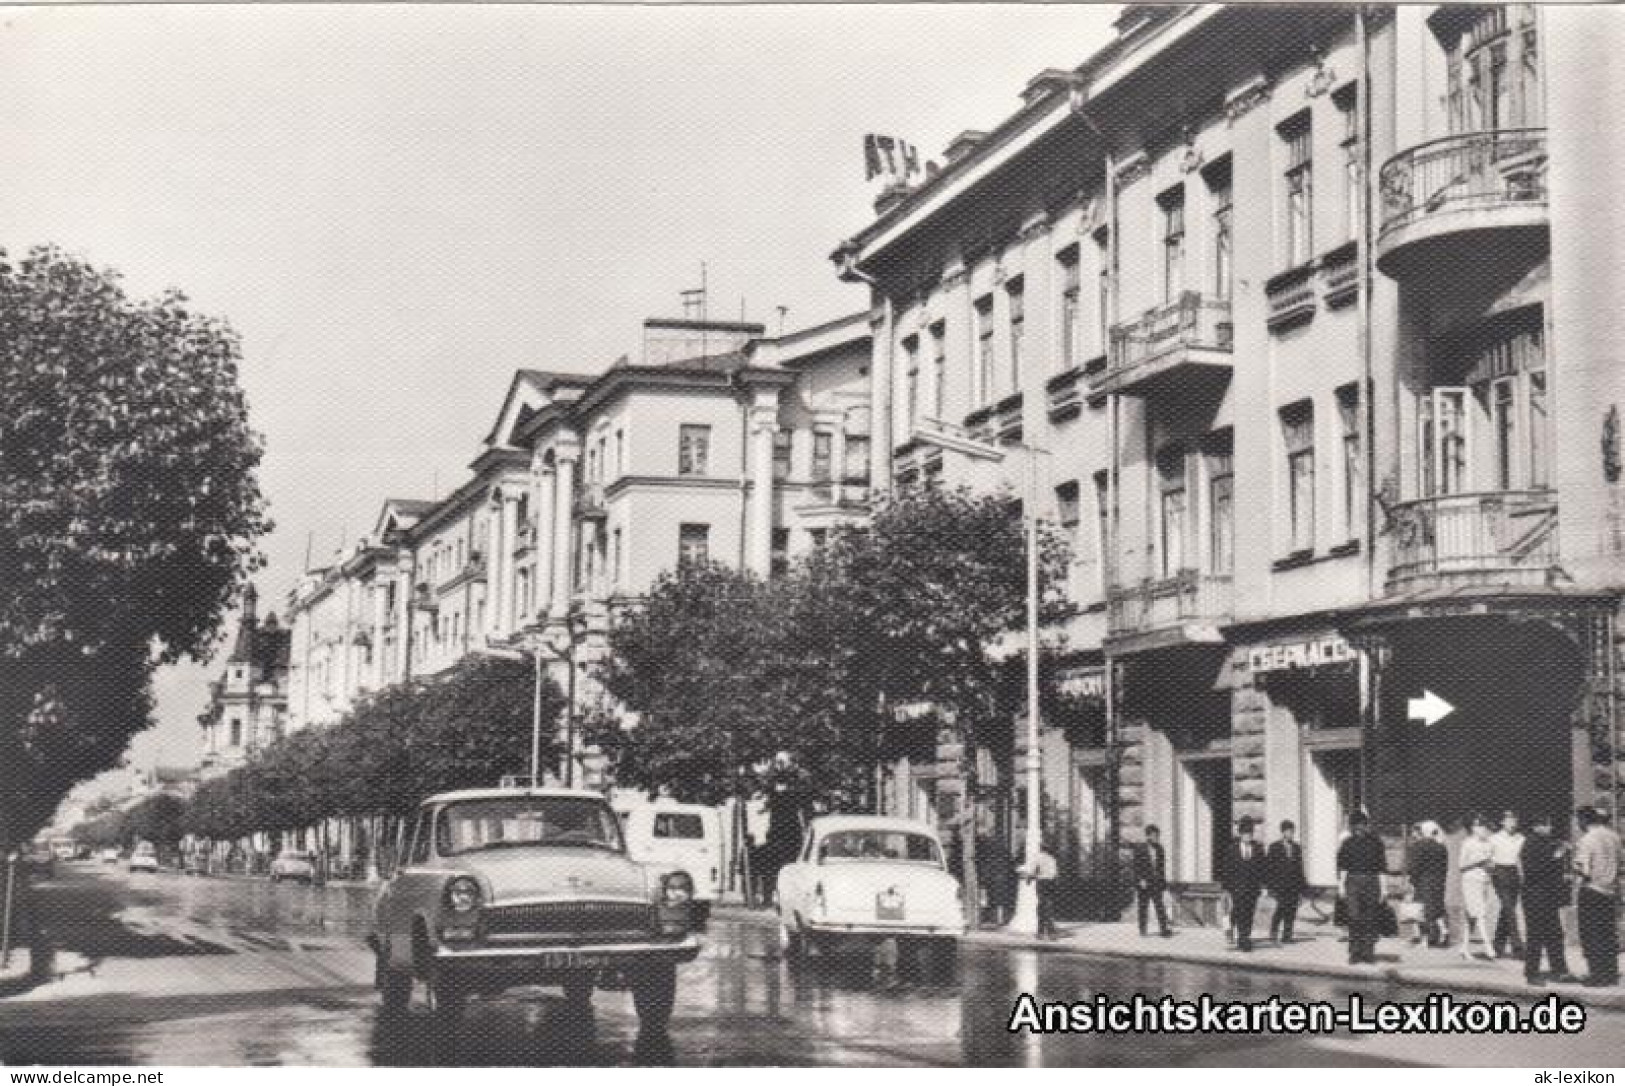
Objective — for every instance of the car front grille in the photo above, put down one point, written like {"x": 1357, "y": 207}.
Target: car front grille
{"x": 571, "y": 918}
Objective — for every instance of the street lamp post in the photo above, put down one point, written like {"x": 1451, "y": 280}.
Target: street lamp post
{"x": 1024, "y": 918}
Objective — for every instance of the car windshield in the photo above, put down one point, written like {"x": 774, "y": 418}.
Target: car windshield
{"x": 563, "y": 821}
{"x": 879, "y": 845}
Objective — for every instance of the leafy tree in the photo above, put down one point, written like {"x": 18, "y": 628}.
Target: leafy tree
{"x": 912, "y": 604}
{"x": 712, "y": 666}
{"x": 158, "y": 819}
{"x": 129, "y": 515}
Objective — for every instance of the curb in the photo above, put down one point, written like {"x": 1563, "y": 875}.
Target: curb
{"x": 1405, "y": 976}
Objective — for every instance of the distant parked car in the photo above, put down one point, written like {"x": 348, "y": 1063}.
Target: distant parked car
{"x": 109, "y": 855}
{"x": 295, "y": 865}
{"x": 863, "y": 879}
{"x": 684, "y": 835}
{"x": 144, "y": 858}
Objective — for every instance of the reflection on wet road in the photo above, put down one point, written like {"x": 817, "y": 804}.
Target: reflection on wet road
{"x": 184, "y": 971}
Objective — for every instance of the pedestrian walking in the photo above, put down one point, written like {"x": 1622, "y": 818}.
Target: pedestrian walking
{"x": 1506, "y": 876}
{"x": 1284, "y": 877}
{"x": 1244, "y": 879}
{"x": 1427, "y": 864}
{"x": 997, "y": 874}
{"x": 1597, "y": 863}
{"x": 1546, "y": 863}
{"x": 1360, "y": 864}
{"x": 1043, "y": 870}
{"x": 1151, "y": 880}
{"x": 1475, "y": 861}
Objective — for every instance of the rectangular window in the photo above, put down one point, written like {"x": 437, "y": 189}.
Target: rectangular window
{"x": 911, "y": 383}
{"x": 817, "y": 536}
{"x": 1016, "y": 293}
{"x": 984, "y": 350}
{"x": 1222, "y": 195}
{"x": 1298, "y": 430}
{"x": 620, "y": 452}
{"x": 781, "y": 551}
{"x": 1503, "y": 412}
{"x": 1071, "y": 283}
{"x": 1347, "y": 101}
{"x": 1219, "y": 453}
{"x": 939, "y": 371}
{"x": 1103, "y": 528}
{"x": 823, "y": 456}
{"x": 1174, "y": 522}
{"x": 1298, "y": 195}
{"x": 1066, "y": 512}
{"x": 1348, "y": 415}
{"x": 782, "y": 445}
{"x": 1171, "y": 205}
{"x": 1103, "y": 290}
{"x": 1538, "y": 477}
{"x": 856, "y": 470}
{"x": 617, "y": 558}
{"x": 693, "y": 543}
{"x": 1442, "y": 436}
{"x": 694, "y": 450}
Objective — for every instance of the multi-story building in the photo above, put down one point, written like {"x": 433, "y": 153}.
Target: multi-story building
{"x": 718, "y": 444}
{"x": 1305, "y": 314}
{"x": 248, "y": 704}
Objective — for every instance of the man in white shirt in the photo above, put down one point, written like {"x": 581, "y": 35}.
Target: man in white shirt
{"x": 1506, "y": 875}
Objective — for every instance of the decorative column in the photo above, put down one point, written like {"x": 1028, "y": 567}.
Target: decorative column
{"x": 378, "y": 674}
{"x": 566, "y": 451}
{"x": 764, "y": 421}
{"x": 545, "y": 483}
{"x": 403, "y": 615}
{"x": 507, "y": 535}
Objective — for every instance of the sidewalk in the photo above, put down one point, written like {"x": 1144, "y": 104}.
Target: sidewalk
{"x": 1317, "y": 950}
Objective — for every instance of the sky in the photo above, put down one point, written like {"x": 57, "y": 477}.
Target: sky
{"x": 397, "y": 206}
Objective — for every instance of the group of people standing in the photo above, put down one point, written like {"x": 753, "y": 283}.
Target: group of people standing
{"x": 1502, "y": 868}
{"x": 1497, "y": 871}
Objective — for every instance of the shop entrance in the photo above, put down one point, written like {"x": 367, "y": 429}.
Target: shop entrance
{"x": 1201, "y": 817}
{"x": 1331, "y": 791}
{"x": 1507, "y": 744}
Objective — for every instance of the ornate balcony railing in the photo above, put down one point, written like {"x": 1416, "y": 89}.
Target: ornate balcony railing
{"x": 1188, "y": 596}
{"x": 1192, "y": 328}
{"x": 1503, "y": 168}
{"x": 1499, "y": 537}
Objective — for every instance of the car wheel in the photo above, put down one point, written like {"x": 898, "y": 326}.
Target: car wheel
{"x": 654, "y": 990}
{"x": 578, "y": 995}
{"x": 395, "y": 986}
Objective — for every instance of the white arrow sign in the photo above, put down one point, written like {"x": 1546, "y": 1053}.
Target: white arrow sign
{"x": 1430, "y": 708}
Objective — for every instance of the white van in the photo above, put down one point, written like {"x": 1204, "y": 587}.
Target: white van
{"x": 686, "y": 834}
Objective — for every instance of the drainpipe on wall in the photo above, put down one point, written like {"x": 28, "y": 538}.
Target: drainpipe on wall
{"x": 1368, "y": 415}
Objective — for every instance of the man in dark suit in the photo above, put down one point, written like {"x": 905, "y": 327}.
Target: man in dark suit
{"x": 1546, "y": 861}
{"x": 1151, "y": 879}
{"x": 1284, "y": 878}
{"x": 1244, "y": 879}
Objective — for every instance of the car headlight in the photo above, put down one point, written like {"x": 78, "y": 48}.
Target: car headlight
{"x": 676, "y": 888}
{"x": 462, "y": 894}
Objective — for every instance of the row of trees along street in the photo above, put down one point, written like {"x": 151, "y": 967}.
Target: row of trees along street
{"x": 742, "y": 686}
{"x": 464, "y": 730}
{"x": 130, "y": 514}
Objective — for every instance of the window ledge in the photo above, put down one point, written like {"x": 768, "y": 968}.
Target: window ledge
{"x": 1294, "y": 560}
{"x": 1343, "y": 550}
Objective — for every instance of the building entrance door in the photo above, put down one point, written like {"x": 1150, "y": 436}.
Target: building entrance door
{"x": 1201, "y": 817}
{"x": 1331, "y": 790}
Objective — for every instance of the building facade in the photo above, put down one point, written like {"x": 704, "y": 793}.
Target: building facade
{"x": 1303, "y": 314}
{"x": 718, "y": 444}
{"x": 248, "y": 704}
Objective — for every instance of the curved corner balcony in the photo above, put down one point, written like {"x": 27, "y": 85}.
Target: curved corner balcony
{"x": 1443, "y": 199}
{"x": 1496, "y": 538}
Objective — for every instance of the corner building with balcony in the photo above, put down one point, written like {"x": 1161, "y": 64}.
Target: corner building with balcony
{"x": 1308, "y": 309}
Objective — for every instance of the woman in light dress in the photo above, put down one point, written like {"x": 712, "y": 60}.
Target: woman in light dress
{"x": 1474, "y": 862}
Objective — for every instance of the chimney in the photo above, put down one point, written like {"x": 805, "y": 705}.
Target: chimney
{"x": 961, "y": 145}
{"x": 1045, "y": 83}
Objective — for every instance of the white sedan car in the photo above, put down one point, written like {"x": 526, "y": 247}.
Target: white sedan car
{"x": 866, "y": 879}
{"x": 144, "y": 858}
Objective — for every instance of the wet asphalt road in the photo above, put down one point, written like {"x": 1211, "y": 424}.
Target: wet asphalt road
{"x": 174, "y": 971}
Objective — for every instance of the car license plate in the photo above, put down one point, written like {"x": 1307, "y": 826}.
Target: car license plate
{"x": 570, "y": 959}
{"x": 889, "y": 906}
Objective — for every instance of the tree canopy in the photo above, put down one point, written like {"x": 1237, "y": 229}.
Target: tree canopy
{"x": 130, "y": 512}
